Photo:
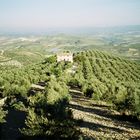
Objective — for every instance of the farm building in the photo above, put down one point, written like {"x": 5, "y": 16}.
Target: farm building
{"x": 65, "y": 56}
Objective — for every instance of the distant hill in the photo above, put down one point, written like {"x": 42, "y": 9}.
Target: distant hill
{"x": 28, "y": 48}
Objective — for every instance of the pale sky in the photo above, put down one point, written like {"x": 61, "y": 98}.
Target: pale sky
{"x": 43, "y": 14}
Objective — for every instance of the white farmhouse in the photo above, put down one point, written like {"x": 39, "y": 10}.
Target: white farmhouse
{"x": 65, "y": 56}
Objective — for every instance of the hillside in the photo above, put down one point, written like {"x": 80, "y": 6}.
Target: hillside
{"x": 39, "y": 96}
{"x": 109, "y": 78}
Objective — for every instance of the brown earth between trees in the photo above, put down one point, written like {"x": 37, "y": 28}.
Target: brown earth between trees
{"x": 99, "y": 121}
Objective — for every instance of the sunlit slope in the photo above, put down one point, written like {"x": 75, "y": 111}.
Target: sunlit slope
{"x": 110, "y": 78}
{"x": 107, "y": 68}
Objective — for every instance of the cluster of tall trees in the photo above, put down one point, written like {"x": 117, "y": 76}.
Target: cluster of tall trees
{"x": 47, "y": 112}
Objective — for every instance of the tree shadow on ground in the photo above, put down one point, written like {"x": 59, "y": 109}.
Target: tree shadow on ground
{"x": 97, "y": 105}
{"x": 14, "y": 120}
{"x": 107, "y": 114}
{"x": 77, "y": 96}
{"x": 98, "y": 127}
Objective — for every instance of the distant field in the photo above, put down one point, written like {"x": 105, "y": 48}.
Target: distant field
{"x": 30, "y": 49}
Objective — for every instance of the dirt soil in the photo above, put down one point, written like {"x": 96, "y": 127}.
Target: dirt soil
{"x": 100, "y": 121}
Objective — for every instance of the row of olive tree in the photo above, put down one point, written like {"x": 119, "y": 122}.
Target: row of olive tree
{"x": 109, "y": 78}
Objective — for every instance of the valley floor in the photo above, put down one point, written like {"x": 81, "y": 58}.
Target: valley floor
{"x": 99, "y": 121}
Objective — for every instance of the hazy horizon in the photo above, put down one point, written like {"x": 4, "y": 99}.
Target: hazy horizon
{"x": 42, "y": 15}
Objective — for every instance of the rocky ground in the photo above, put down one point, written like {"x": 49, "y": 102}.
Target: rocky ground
{"x": 100, "y": 121}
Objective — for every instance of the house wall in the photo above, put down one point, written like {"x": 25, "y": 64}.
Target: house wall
{"x": 65, "y": 58}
